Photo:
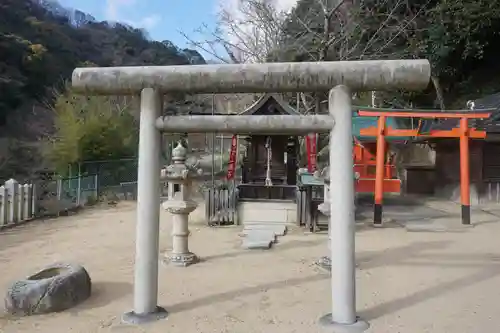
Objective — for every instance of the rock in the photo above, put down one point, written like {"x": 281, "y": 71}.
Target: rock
{"x": 55, "y": 288}
{"x": 53, "y": 206}
{"x": 325, "y": 263}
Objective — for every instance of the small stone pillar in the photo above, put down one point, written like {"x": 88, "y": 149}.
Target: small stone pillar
{"x": 180, "y": 206}
{"x": 325, "y": 261}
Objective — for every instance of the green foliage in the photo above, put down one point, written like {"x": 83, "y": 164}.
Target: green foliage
{"x": 92, "y": 200}
{"x": 41, "y": 43}
{"x": 90, "y": 128}
{"x": 17, "y": 157}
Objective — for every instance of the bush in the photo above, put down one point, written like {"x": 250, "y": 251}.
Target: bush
{"x": 90, "y": 128}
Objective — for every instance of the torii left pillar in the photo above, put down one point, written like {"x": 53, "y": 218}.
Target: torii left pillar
{"x": 148, "y": 214}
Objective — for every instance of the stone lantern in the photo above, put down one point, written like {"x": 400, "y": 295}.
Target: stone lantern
{"x": 180, "y": 205}
{"x": 325, "y": 261}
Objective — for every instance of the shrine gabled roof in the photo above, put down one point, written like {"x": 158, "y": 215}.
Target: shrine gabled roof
{"x": 489, "y": 125}
{"x": 277, "y": 101}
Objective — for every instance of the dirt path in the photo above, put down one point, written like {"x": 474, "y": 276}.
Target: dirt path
{"x": 407, "y": 282}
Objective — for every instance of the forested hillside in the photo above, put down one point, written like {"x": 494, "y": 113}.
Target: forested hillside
{"x": 40, "y": 44}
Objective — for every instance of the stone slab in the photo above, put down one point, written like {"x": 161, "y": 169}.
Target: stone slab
{"x": 259, "y": 239}
{"x": 256, "y": 244}
{"x": 262, "y": 234}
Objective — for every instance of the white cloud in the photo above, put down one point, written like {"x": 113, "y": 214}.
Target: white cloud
{"x": 284, "y": 5}
{"x": 233, "y": 6}
{"x": 112, "y": 8}
{"x": 112, "y": 12}
{"x": 149, "y": 22}
{"x": 247, "y": 33}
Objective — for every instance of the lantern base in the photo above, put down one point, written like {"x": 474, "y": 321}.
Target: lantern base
{"x": 181, "y": 259}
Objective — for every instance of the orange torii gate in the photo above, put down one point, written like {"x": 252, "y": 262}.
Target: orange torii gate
{"x": 463, "y": 132}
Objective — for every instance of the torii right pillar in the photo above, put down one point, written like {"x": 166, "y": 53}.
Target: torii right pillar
{"x": 464, "y": 171}
{"x": 379, "y": 172}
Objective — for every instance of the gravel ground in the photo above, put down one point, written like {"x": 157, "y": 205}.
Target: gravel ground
{"x": 411, "y": 282}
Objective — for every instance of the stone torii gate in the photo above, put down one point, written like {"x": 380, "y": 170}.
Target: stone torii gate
{"x": 344, "y": 77}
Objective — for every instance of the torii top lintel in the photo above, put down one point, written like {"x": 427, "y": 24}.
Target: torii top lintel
{"x": 365, "y": 75}
{"x": 469, "y": 114}
{"x": 462, "y": 115}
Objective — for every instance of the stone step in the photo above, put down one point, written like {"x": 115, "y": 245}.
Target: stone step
{"x": 283, "y": 223}
{"x": 259, "y": 239}
{"x": 279, "y": 230}
{"x": 256, "y": 244}
{"x": 262, "y": 234}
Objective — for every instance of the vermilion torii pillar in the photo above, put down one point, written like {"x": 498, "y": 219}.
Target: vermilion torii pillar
{"x": 344, "y": 77}
{"x": 462, "y": 132}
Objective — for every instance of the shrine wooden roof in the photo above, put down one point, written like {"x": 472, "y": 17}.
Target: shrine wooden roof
{"x": 270, "y": 104}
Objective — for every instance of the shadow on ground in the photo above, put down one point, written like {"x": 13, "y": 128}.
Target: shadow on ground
{"x": 285, "y": 245}
{"x": 401, "y": 209}
{"x": 104, "y": 293}
{"x": 488, "y": 265}
{"x": 486, "y": 272}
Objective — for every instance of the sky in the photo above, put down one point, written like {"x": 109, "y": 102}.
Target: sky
{"x": 163, "y": 19}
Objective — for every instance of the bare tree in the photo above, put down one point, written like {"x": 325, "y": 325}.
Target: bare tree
{"x": 247, "y": 31}
{"x": 315, "y": 30}
{"x": 354, "y": 30}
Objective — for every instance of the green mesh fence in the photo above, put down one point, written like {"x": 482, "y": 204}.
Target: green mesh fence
{"x": 109, "y": 174}
{"x": 78, "y": 189}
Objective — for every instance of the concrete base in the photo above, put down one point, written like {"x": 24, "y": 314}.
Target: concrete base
{"x": 436, "y": 225}
{"x": 452, "y": 192}
{"x": 387, "y": 223}
{"x": 133, "y": 318}
{"x": 358, "y": 327}
{"x": 280, "y": 212}
{"x": 181, "y": 259}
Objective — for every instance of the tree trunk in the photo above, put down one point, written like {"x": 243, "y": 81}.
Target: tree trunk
{"x": 439, "y": 92}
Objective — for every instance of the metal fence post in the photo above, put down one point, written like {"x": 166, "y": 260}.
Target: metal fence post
{"x": 79, "y": 186}
{"x": 59, "y": 188}
{"x": 59, "y": 192}
{"x": 96, "y": 185}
